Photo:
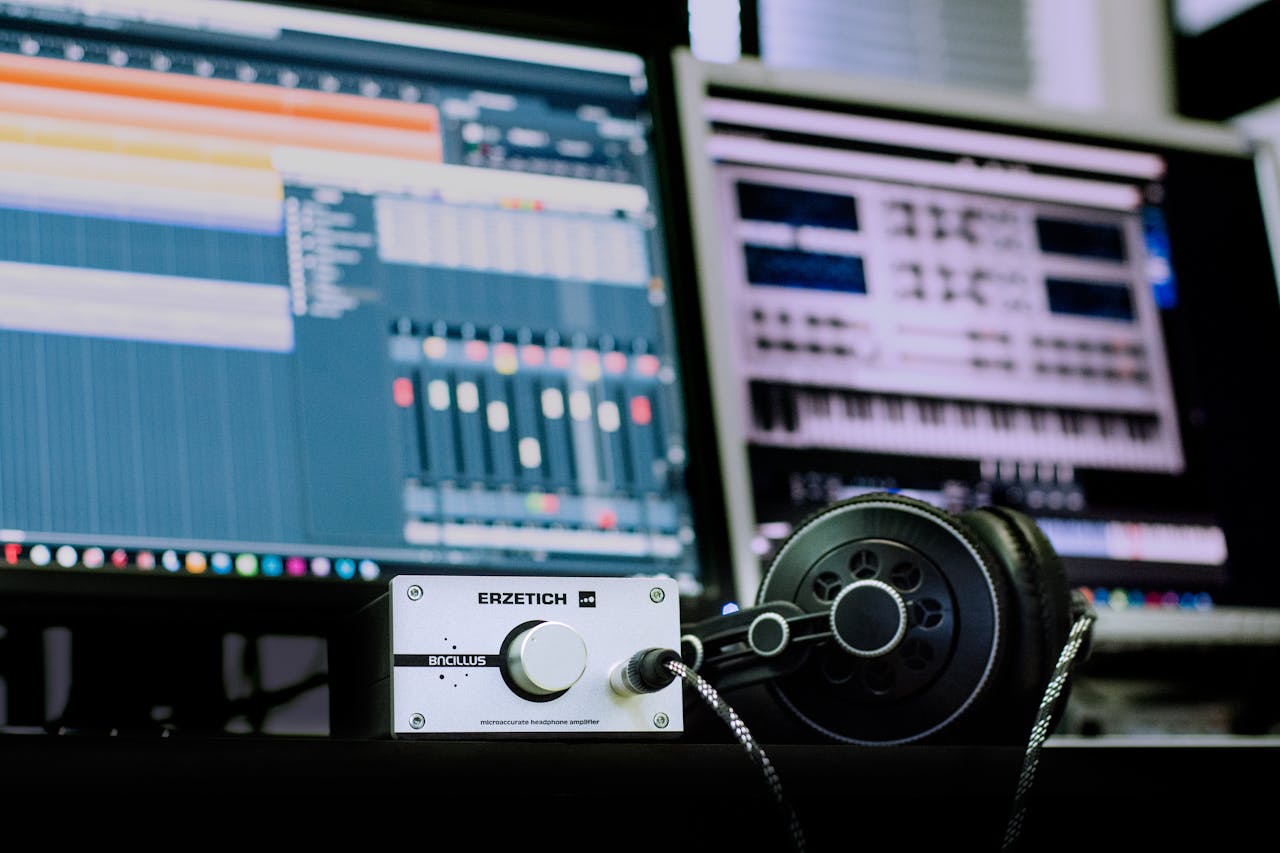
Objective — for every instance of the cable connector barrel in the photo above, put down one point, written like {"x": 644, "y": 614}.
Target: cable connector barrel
{"x": 646, "y": 671}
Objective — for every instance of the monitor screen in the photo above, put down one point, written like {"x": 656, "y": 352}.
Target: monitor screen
{"x": 290, "y": 293}
{"x": 974, "y": 301}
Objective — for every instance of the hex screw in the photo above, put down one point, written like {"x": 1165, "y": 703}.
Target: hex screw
{"x": 656, "y": 595}
{"x": 661, "y": 720}
{"x": 417, "y": 721}
{"x": 415, "y": 592}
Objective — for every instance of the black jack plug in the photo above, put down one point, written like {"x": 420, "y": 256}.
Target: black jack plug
{"x": 646, "y": 671}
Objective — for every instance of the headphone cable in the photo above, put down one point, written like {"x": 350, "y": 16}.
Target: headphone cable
{"x": 744, "y": 736}
{"x": 1040, "y": 730}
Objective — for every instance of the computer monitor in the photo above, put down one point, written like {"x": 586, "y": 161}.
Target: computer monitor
{"x": 296, "y": 298}
{"x": 976, "y": 301}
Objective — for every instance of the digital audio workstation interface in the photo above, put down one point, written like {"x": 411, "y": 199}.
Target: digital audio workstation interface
{"x": 284, "y": 292}
{"x": 972, "y": 314}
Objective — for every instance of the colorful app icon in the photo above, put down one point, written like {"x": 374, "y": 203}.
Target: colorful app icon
{"x": 196, "y": 562}
{"x": 246, "y": 565}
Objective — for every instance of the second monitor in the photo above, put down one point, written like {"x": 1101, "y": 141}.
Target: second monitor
{"x": 975, "y": 301}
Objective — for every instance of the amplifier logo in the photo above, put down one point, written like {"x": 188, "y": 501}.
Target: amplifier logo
{"x": 522, "y": 598}
{"x": 446, "y": 659}
{"x": 587, "y": 598}
{"x": 457, "y": 660}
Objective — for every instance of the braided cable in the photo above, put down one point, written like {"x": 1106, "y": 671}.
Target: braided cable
{"x": 744, "y": 736}
{"x": 1041, "y": 729}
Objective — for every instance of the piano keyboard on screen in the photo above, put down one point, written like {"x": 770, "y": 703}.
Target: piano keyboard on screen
{"x": 798, "y": 416}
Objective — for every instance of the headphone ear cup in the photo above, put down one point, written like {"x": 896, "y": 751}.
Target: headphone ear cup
{"x": 849, "y": 561}
{"x": 1040, "y": 621}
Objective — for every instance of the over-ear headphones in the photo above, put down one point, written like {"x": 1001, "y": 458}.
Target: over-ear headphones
{"x": 883, "y": 619}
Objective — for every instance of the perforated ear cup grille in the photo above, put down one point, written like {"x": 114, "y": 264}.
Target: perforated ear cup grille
{"x": 954, "y": 603}
{"x": 1040, "y": 614}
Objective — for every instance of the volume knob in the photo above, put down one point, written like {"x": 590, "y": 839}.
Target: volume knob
{"x": 544, "y": 659}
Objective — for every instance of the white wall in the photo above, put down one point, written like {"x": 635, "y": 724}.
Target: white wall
{"x": 1108, "y": 55}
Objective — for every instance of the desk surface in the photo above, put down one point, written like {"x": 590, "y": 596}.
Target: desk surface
{"x": 1123, "y": 791}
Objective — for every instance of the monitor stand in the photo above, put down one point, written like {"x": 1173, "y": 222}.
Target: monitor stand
{"x": 22, "y": 669}
{"x": 155, "y": 678}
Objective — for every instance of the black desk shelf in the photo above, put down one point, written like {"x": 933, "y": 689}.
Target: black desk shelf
{"x": 1131, "y": 794}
